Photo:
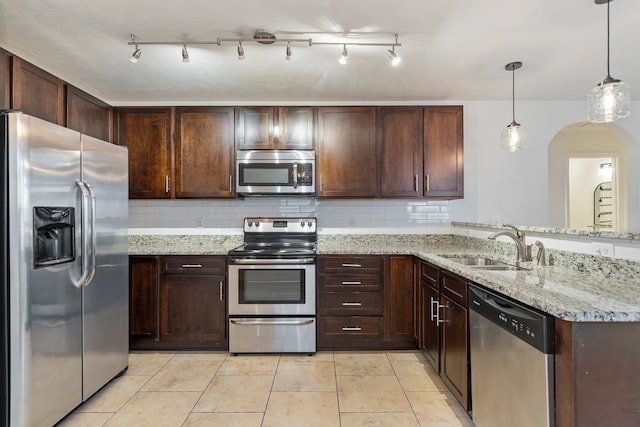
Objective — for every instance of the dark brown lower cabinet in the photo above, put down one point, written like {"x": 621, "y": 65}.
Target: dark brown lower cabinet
{"x": 365, "y": 302}
{"x": 455, "y": 350}
{"x": 430, "y": 342}
{"x": 143, "y": 301}
{"x": 179, "y": 304}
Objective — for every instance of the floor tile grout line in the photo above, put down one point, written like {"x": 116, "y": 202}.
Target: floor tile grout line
{"x": 203, "y": 391}
{"x": 266, "y": 405}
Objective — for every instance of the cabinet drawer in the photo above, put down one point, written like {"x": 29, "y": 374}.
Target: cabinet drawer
{"x": 351, "y": 304}
{"x": 350, "y": 283}
{"x": 193, "y": 265}
{"x": 350, "y": 265}
{"x": 352, "y": 327}
{"x": 429, "y": 273}
{"x": 455, "y": 287}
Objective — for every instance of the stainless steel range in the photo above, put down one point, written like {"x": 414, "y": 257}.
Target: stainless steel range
{"x": 272, "y": 287}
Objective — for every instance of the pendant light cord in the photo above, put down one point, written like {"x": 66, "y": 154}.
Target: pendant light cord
{"x": 513, "y": 95}
{"x": 608, "y": 38}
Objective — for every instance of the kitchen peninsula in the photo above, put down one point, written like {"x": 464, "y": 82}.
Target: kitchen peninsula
{"x": 595, "y": 300}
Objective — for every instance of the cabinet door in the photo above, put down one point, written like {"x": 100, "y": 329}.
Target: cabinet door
{"x": 256, "y": 128}
{"x": 89, "y": 115}
{"x": 401, "y": 152}
{"x": 399, "y": 295}
{"x": 143, "y": 300}
{"x": 192, "y": 310}
{"x": 346, "y": 151}
{"x": 455, "y": 350}
{"x": 5, "y": 80}
{"x": 443, "y": 152}
{"x": 38, "y": 93}
{"x": 146, "y": 132}
{"x": 430, "y": 328}
{"x": 204, "y": 152}
{"x": 296, "y": 128}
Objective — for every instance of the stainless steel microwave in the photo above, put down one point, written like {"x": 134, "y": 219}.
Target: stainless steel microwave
{"x": 267, "y": 172}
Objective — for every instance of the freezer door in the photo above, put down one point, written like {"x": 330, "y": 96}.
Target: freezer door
{"x": 106, "y": 296}
{"x": 45, "y": 308}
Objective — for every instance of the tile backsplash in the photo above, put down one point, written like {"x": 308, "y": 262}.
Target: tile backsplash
{"x": 418, "y": 216}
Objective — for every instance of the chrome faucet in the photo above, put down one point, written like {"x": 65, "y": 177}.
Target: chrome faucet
{"x": 541, "y": 254}
{"x": 518, "y": 237}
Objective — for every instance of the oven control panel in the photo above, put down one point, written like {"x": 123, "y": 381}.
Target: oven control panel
{"x": 280, "y": 225}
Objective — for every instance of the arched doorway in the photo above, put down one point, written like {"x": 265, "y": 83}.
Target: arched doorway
{"x": 582, "y": 194}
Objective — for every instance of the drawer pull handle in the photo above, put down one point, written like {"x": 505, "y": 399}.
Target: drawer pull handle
{"x": 351, "y": 328}
{"x": 354, "y": 304}
{"x": 352, "y": 265}
{"x": 352, "y": 283}
{"x": 191, "y": 265}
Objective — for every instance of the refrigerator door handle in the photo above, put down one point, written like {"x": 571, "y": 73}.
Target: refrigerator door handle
{"x": 83, "y": 235}
{"x": 94, "y": 243}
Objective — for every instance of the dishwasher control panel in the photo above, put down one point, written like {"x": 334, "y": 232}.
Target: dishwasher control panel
{"x": 526, "y": 323}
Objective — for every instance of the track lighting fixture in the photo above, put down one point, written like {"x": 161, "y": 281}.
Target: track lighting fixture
{"x": 513, "y": 136}
{"x": 240, "y": 51}
{"x": 137, "y": 52}
{"x": 266, "y": 38}
{"x": 185, "y": 53}
{"x": 610, "y": 99}
{"x": 343, "y": 57}
{"x": 288, "y": 57}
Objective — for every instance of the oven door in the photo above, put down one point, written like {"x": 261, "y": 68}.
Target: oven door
{"x": 272, "y": 289}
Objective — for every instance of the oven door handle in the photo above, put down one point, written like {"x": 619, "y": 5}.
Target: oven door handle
{"x": 271, "y": 322}
{"x": 273, "y": 261}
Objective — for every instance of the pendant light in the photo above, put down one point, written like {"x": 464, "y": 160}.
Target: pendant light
{"x": 610, "y": 99}
{"x": 513, "y": 136}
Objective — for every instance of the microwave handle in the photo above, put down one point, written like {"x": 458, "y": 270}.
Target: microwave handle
{"x": 295, "y": 175}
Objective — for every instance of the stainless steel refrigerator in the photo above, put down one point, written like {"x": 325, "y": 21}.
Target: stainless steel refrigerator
{"x": 64, "y": 300}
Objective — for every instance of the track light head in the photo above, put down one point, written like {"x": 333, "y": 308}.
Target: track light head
{"x": 137, "y": 52}
{"x": 343, "y": 57}
{"x": 240, "y": 51}
{"x": 185, "y": 53}
{"x": 135, "y": 55}
{"x": 393, "y": 57}
{"x": 288, "y": 57}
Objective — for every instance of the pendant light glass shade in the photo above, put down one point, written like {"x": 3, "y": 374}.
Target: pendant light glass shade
{"x": 513, "y": 136}
{"x": 610, "y": 100}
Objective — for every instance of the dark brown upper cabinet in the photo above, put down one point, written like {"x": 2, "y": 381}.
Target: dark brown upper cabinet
{"x": 275, "y": 128}
{"x": 204, "y": 152}
{"x": 443, "y": 152}
{"x": 89, "y": 115}
{"x": 347, "y": 152}
{"x": 37, "y": 93}
{"x": 400, "y": 149}
{"x": 5, "y": 80}
{"x": 146, "y": 132}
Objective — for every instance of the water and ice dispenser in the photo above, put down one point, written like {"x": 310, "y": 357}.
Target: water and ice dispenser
{"x": 53, "y": 235}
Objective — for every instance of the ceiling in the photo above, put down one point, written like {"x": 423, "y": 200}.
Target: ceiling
{"x": 451, "y": 50}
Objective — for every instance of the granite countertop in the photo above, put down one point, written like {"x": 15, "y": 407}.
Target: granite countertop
{"x": 598, "y": 293}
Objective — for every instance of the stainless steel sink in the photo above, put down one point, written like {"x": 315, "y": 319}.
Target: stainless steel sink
{"x": 482, "y": 263}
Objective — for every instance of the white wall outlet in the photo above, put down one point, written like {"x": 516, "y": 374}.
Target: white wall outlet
{"x": 602, "y": 249}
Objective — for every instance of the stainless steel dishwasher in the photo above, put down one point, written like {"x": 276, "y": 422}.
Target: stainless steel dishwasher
{"x": 512, "y": 372}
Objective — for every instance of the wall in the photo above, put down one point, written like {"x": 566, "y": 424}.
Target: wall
{"x": 512, "y": 187}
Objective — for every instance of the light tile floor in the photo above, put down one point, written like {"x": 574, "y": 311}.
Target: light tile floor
{"x": 345, "y": 389}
